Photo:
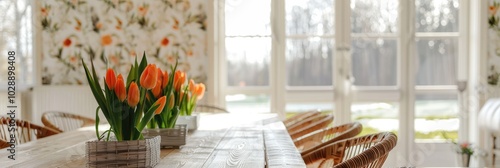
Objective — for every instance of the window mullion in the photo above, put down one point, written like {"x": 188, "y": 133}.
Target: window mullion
{"x": 406, "y": 80}
{"x": 342, "y": 62}
{"x": 463, "y": 68}
{"x": 220, "y": 53}
{"x": 278, "y": 59}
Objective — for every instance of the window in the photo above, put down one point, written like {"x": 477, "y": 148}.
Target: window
{"x": 309, "y": 42}
{"x": 437, "y": 34}
{"x": 375, "y": 62}
{"x": 16, "y": 35}
{"x": 374, "y": 42}
{"x": 248, "y": 54}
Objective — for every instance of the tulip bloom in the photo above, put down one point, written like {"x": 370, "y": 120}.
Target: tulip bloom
{"x": 165, "y": 79}
{"x": 179, "y": 79}
{"x": 157, "y": 89}
{"x": 161, "y": 102}
{"x": 159, "y": 76}
{"x": 133, "y": 95}
{"x": 192, "y": 85}
{"x": 149, "y": 77}
{"x": 110, "y": 79}
{"x": 120, "y": 90}
{"x": 200, "y": 90}
{"x": 171, "y": 101}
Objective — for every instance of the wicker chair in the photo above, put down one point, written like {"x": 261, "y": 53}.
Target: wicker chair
{"x": 4, "y": 144}
{"x": 62, "y": 121}
{"x": 25, "y": 131}
{"x": 300, "y": 117}
{"x": 369, "y": 151}
{"x": 311, "y": 125}
{"x": 210, "y": 109}
{"x": 323, "y": 137}
{"x": 305, "y": 121}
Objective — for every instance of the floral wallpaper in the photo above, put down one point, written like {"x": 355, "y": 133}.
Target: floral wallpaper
{"x": 494, "y": 43}
{"x": 114, "y": 32}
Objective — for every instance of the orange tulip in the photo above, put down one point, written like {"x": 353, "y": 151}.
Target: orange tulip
{"x": 179, "y": 79}
{"x": 149, "y": 77}
{"x": 200, "y": 91}
{"x": 110, "y": 79}
{"x": 157, "y": 89}
{"x": 161, "y": 102}
{"x": 171, "y": 101}
{"x": 159, "y": 76}
{"x": 192, "y": 85}
{"x": 165, "y": 79}
{"x": 133, "y": 95}
{"x": 120, "y": 90}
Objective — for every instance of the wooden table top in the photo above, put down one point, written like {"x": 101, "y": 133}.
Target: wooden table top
{"x": 223, "y": 140}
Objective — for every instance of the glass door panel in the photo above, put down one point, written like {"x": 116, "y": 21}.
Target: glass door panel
{"x": 375, "y": 62}
{"x": 309, "y": 62}
{"x": 436, "y": 118}
{"x": 376, "y": 116}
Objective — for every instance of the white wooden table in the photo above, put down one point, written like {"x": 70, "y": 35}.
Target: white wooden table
{"x": 223, "y": 140}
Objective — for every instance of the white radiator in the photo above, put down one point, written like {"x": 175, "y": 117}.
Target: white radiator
{"x": 72, "y": 99}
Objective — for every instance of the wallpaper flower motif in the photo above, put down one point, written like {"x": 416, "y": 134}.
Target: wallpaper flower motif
{"x": 113, "y": 32}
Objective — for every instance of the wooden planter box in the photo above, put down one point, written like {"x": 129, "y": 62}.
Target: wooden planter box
{"x": 192, "y": 122}
{"x": 170, "y": 137}
{"x": 136, "y": 153}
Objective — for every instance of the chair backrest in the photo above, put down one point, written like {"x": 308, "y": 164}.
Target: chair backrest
{"x": 300, "y": 117}
{"x": 304, "y": 122}
{"x": 62, "y": 121}
{"x": 317, "y": 123}
{"x": 369, "y": 151}
{"x": 210, "y": 109}
{"x": 24, "y": 132}
{"x": 3, "y": 144}
{"x": 326, "y": 136}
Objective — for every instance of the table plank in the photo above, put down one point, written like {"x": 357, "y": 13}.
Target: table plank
{"x": 203, "y": 138}
{"x": 236, "y": 158}
{"x": 280, "y": 150}
{"x": 185, "y": 157}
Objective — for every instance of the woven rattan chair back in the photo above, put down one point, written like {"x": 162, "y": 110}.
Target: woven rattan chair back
{"x": 369, "y": 151}
{"x": 62, "y": 121}
{"x": 326, "y": 136}
{"x": 289, "y": 122}
{"x": 305, "y": 122}
{"x": 3, "y": 144}
{"x": 210, "y": 109}
{"x": 24, "y": 132}
{"x": 319, "y": 122}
